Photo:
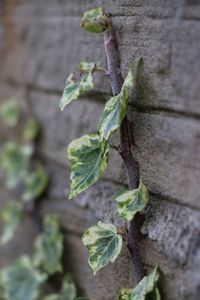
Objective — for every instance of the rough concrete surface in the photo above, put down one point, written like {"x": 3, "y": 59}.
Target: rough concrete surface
{"x": 41, "y": 42}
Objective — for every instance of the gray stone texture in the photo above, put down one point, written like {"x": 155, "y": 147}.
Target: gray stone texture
{"x": 41, "y": 42}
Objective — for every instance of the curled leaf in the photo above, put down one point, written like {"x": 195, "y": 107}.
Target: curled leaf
{"x": 35, "y": 183}
{"x": 95, "y": 20}
{"x": 11, "y": 216}
{"x": 10, "y": 112}
{"x": 132, "y": 202}
{"x": 74, "y": 89}
{"x": 88, "y": 157}
{"x": 49, "y": 246}
{"x": 104, "y": 245}
{"x": 21, "y": 280}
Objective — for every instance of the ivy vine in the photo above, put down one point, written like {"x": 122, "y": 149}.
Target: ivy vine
{"x": 28, "y": 278}
{"x": 89, "y": 155}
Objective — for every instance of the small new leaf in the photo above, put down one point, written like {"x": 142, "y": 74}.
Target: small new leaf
{"x": 49, "y": 246}
{"x": 88, "y": 157}
{"x": 14, "y": 161}
{"x": 73, "y": 89}
{"x": 95, "y": 20}
{"x": 104, "y": 245}
{"x": 31, "y": 130}
{"x": 21, "y": 280}
{"x": 145, "y": 290}
{"x": 10, "y": 113}
{"x": 11, "y": 216}
{"x": 35, "y": 184}
{"x": 132, "y": 202}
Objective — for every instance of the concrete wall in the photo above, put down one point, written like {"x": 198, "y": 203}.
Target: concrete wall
{"x": 40, "y": 44}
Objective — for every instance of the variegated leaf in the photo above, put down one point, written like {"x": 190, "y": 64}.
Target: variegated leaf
{"x": 116, "y": 108}
{"x": 104, "y": 245}
{"x": 113, "y": 114}
{"x": 73, "y": 89}
{"x": 95, "y": 20}
{"x": 88, "y": 157}
{"x": 11, "y": 216}
{"x": 49, "y": 246}
{"x": 35, "y": 183}
{"x": 21, "y": 280}
{"x": 14, "y": 161}
{"x": 10, "y": 112}
{"x": 132, "y": 202}
{"x": 145, "y": 290}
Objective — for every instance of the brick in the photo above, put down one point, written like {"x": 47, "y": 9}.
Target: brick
{"x": 167, "y": 150}
{"x": 176, "y": 230}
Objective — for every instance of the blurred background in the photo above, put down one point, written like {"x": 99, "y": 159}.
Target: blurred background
{"x": 41, "y": 43}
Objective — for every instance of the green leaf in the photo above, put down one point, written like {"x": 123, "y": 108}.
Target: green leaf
{"x": 104, "y": 245}
{"x": 116, "y": 108}
{"x": 88, "y": 157}
{"x": 144, "y": 290}
{"x": 95, "y": 20}
{"x": 21, "y": 280}
{"x": 49, "y": 246}
{"x": 35, "y": 183}
{"x": 14, "y": 161}
{"x": 132, "y": 202}
{"x": 73, "y": 90}
{"x": 31, "y": 130}
{"x": 10, "y": 112}
{"x": 11, "y": 216}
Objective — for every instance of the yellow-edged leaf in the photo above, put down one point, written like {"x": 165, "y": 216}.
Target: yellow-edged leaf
{"x": 88, "y": 157}
{"x": 132, "y": 202}
{"x": 104, "y": 245}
